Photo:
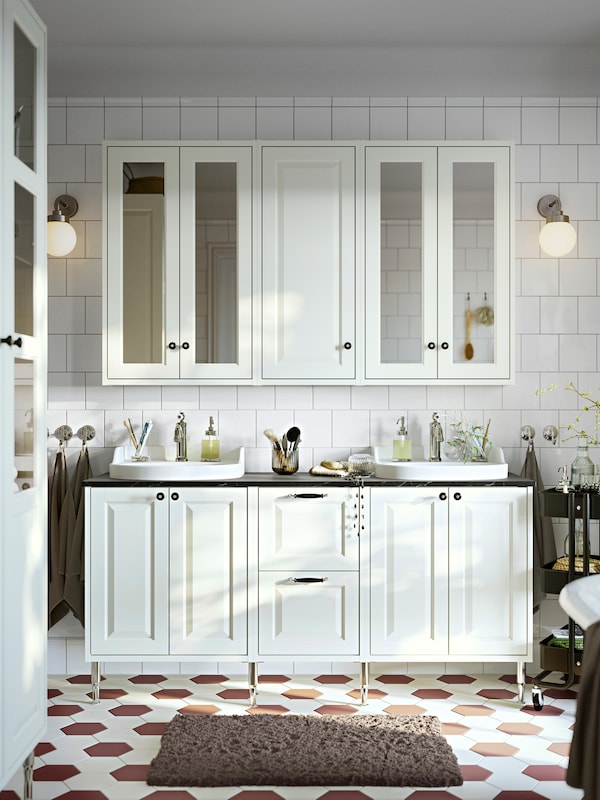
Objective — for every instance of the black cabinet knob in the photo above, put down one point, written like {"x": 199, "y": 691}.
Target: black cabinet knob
{"x": 457, "y": 495}
{"x": 445, "y": 345}
{"x": 172, "y": 346}
{"x": 347, "y": 345}
{"x": 175, "y": 496}
{"x": 443, "y": 496}
{"x": 186, "y": 345}
{"x": 431, "y": 345}
{"x": 160, "y": 496}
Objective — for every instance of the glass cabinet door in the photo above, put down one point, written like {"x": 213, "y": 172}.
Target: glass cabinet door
{"x": 141, "y": 289}
{"x": 401, "y": 276}
{"x": 216, "y": 263}
{"x": 474, "y": 262}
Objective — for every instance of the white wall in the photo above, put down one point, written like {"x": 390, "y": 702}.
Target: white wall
{"x": 557, "y": 307}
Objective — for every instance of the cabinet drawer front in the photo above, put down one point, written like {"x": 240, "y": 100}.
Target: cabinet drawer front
{"x": 129, "y": 592}
{"x": 318, "y": 618}
{"x": 313, "y": 528}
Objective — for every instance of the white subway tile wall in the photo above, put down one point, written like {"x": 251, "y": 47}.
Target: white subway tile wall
{"x": 557, "y": 322}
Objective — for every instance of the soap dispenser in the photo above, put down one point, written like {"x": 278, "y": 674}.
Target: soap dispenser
{"x": 210, "y": 444}
{"x": 402, "y": 446}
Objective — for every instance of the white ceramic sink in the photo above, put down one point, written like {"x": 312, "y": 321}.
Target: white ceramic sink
{"x": 162, "y": 465}
{"x": 421, "y": 470}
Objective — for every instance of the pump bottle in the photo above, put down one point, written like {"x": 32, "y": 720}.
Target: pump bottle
{"x": 210, "y": 444}
{"x": 401, "y": 450}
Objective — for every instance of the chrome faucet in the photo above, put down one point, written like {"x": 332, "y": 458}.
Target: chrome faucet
{"x": 180, "y": 438}
{"x": 436, "y": 437}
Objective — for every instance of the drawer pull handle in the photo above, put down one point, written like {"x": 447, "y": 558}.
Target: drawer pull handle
{"x": 307, "y": 580}
{"x": 457, "y": 495}
{"x": 307, "y": 495}
{"x": 160, "y": 496}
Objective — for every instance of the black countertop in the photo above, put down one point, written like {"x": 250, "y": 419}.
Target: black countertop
{"x": 300, "y": 479}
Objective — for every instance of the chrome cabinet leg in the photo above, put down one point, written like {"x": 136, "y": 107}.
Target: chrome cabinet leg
{"x": 95, "y": 670}
{"x": 28, "y": 777}
{"x": 252, "y": 681}
{"x": 521, "y": 676}
{"x": 364, "y": 682}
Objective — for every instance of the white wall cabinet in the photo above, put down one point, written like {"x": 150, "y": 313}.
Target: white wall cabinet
{"x": 165, "y": 572}
{"x": 178, "y": 263}
{"x": 23, "y": 464}
{"x": 451, "y": 573}
{"x": 342, "y": 263}
{"x": 438, "y": 246}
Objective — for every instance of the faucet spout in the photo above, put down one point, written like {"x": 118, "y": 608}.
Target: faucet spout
{"x": 180, "y": 438}
{"x": 436, "y": 437}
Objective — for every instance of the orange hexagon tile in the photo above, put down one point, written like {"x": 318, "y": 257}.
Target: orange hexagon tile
{"x": 394, "y": 679}
{"x": 336, "y": 709}
{"x": 519, "y": 728}
{"x": 267, "y": 709}
{"x": 206, "y": 709}
{"x": 209, "y": 679}
{"x": 454, "y": 729}
{"x": 141, "y": 679}
{"x": 171, "y": 694}
{"x": 234, "y": 694}
{"x": 400, "y": 710}
{"x": 333, "y": 679}
{"x": 373, "y": 694}
{"x": 497, "y": 694}
{"x": 562, "y": 748}
{"x": 273, "y": 679}
{"x": 432, "y": 694}
{"x": 302, "y": 694}
{"x": 473, "y": 710}
{"x": 495, "y": 749}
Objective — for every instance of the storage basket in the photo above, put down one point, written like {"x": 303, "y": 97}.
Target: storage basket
{"x": 556, "y": 659}
{"x": 562, "y": 564}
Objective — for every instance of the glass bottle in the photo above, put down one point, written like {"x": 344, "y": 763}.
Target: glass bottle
{"x": 210, "y": 448}
{"x": 582, "y": 468}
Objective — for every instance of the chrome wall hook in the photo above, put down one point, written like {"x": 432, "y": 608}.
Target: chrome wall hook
{"x": 550, "y": 433}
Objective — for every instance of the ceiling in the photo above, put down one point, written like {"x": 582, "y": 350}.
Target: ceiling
{"x": 271, "y": 48}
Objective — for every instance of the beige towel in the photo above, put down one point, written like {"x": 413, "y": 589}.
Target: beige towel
{"x": 325, "y": 472}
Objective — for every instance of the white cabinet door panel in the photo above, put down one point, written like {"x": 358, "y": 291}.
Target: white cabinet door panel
{"x": 128, "y": 573}
{"x": 208, "y": 571}
{"x": 490, "y": 571}
{"x": 409, "y": 571}
{"x": 315, "y": 529}
{"x": 308, "y": 619}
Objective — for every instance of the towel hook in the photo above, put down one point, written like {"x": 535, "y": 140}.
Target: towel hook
{"x": 550, "y": 433}
{"x": 527, "y": 434}
{"x": 63, "y": 433}
{"x": 86, "y": 433}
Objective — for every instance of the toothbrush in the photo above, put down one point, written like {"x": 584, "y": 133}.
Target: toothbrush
{"x": 144, "y": 437}
{"x": 134, "y": 441}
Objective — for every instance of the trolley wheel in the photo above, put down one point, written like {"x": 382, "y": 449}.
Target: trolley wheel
{"x": 537, "y": 698}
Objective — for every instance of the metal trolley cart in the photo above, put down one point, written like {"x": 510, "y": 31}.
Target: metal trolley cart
{"x": 573, "y": 506}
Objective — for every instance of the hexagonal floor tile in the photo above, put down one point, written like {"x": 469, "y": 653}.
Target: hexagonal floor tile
{"x": 44, "y": 747}
{"x": 234, "y": 694}
{"x": 561, "y": 694}
{"x": 208, "y": 679}
{"x": 64, "y": 710}
{"x": 52, "y": 693}
{"x": 546, "y": 772}
{"x": 344, "y": 794}
{"x": 273, "y": 679}
{"x": 79, "y": 679}
{"x": 141, "y": 679}
{"x": 302, "y": 694}
{"x": 372, "y": 694}
{"x": 473, "y": 711}
{"x": 129, "y": 711}
{"x": 151, "y": 729}
{"x": 519, "y": 795}
{"x": 562, "y": 748}
{"x": 333, "y": 679}
{"x": 169, "y": 795}
{"x": 105, "y": 749}
{"x": 432, "y": 794}
{"x": 82, "y": 794}
{"x": 497, "y": 694}
{"x": 475, "y": 772}
{"x": 55, "y": 772}
{"x": 454, "y": 729}
{"x": 456, "y": 679}
{"x": 401, "y": 710}
{"x": 261, "y": 794}
{"x": 83, "y": 729}
{"x": 206, "y": 709}
{"x": 131, "y": 772}
{"x": 519, "y": 728}
{"x": 545, "y": 711}
{"x": 266, "y": 709}
{"x": 432, "y": 694}
{"x": 394, "y": 679}
{"x": 171, "y": 694}
{"x": 513, "y": 679}
{"x": 109, "y": 694}
{"x": 336, "y": 709}
{"x": 495, "y": 749}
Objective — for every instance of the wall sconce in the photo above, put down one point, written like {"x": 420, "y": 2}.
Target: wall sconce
{"x": 558, "y": 236}
{"x": 61, "y": 235}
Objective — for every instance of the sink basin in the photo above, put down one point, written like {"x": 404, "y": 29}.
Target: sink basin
{"x": 492, "y": 469}
{"x": 162, "y": 466}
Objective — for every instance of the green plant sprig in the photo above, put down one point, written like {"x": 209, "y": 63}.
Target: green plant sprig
{"x": 591, "y": 405}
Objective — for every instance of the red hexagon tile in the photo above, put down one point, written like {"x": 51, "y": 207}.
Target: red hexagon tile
{"x": 169, "y": 795}
{"x": 206, "y": 709}
{"x": 333, "y": 679}
{"x": 545, "y": 711}
{"x": 261, "y": 794}
{"x": 344, "y": 794}
{"x": 142, "y": 679}
{"x": 432, "y": 694}
{"x": 546, "y": 772}
{"x": 513, "y": 679}
{"x": 8, "y": 795}
{"x": 394, "y": 679}
{"x": 129, "y": 711}
{"x": 52, "y": 693}
{"x": 64, "y": 710}
{"x": 80, "y": 679}
{"x": 131, "y": 772}
{"x": 302, "y": 694}
{"x": 234, "y": 694}
{"x": 82, "y": 794}
{"x": 171, "y": 694}
{"x": 55, "y": 772}
{"x": 110, "y": 694}
{"x": 266, "y": 709}
{"x": 475, "y": 772}
{"x": 83, "y": 729}
{"x": 43, "y": 747}
{"x": 497, "y": 694}
{"x": 107, "y": 749}
{"x": 151, "y": 729}
{"x": 332, "y": 709}
{"x": 457, "y": 679}
{"x": 520, "y": 795}
{"x": 273, "y": 679}
{"x": 432, "y": 794}
{"x": 560, "y": 694}
{"x": 209, "y": 679}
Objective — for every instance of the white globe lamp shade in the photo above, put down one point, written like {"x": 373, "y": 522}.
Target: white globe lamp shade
{"x": 61, "y": 238}
{"x": 557, "y": 238}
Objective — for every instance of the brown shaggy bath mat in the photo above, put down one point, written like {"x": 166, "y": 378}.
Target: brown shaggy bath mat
{"x": 303, "y": 750}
